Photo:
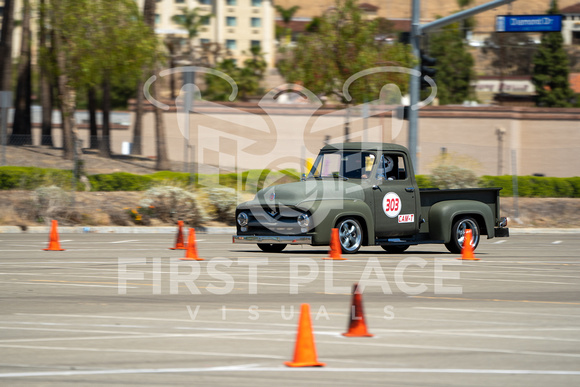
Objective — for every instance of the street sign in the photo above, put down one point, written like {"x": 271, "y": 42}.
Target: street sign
{"x": 528, "y": 23}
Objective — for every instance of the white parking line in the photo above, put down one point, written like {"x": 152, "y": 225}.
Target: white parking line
{"x": 255, "y": 368}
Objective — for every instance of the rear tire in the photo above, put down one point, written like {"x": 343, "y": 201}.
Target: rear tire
{"x": 271, "y": 247}
{"x": 455, "y": 245}
{"x": 394, "y": 249}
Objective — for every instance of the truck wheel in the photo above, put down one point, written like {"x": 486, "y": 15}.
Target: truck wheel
{"x": 394, "y": 249}
{"x": 271, "y": 247}
{"x": 455, "y": 245}
{"x": 350, "y": 234}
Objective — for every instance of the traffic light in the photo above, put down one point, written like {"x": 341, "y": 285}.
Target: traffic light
{"x": 427, "y": 69}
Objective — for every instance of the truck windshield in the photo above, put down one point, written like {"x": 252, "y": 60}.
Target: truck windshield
{"x": 347, "y": 165}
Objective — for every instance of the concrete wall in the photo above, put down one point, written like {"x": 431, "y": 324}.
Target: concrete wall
{"x": 244, "y": 136}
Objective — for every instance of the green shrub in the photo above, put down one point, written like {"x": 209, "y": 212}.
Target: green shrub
{"x": 181, "y": 179}
{"x": 29, "y": 178}
{"x": 423, "y": 181}
{"x": 120, "y": 181}
{"x": 223, "y": 202}
{"x": 170, "y": 204}
{"x": 452, "y": 176}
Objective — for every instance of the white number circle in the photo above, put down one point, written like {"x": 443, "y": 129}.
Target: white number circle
{"x": 392, "y": 204}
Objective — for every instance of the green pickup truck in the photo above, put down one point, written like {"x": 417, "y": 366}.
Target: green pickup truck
{"x": 369, "y": 192}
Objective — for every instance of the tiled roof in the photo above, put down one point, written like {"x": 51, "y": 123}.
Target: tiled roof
{"x": 571, "y": 9}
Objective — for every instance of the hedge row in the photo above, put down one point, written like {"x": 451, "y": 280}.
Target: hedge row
{"x": 535, "y": 187}
{"x": 28, "y": 178}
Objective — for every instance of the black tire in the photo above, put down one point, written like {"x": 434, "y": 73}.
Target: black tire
{"x": 455, "y": 245}
{"x": 350, "y": 234}
{"x": 395, "y": 249}
{"x": 271, "y": 247}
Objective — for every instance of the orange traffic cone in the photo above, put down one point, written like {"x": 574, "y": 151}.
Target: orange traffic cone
{"x": 467, "y": 250}
{"x": 305, "y": 350}
{"x": 191, "y": 251}
{"x": 179, "y": 245}
{"x": 53, "y": 243}
{"x": 357, "y": 326}
{"x": 335, "y": 249}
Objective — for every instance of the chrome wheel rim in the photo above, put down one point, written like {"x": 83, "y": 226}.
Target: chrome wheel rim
{"x": 350, "y": 235}
{"x": 464, "y": 225}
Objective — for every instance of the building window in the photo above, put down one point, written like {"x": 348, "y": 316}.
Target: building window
{"x": 205, "y": 2}
{"x": 255, "y": 43}
{"x": 204, "y": 41}
{"x": 157, "y": 18}
{"x": 256, "y": 22}
{"x": 575, "y": 37}
{"x": 179, "y": 1}
{"x": 179, "y": 19}
{"x": 205, "y": 21}
{"x": 232, "y": 2}
{"x": 231, "y": 21}
{"x": 231, "y": 44}
{"x": 256, "y": 3}
{"x": 1, "y": 11}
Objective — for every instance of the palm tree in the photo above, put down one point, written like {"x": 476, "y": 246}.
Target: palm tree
{"x": 191, "y": 20}
{"x": 287, "y": 14}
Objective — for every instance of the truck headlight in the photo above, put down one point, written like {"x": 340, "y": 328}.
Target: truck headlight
{"x": 303, "y": 220}
{"x": 243, "y": 219}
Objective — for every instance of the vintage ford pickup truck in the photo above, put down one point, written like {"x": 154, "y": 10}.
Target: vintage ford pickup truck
{"x": 369, "y": 192}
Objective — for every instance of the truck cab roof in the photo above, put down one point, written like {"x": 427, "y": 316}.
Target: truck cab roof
{"x": 368, "y": 146}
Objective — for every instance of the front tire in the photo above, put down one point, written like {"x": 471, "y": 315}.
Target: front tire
{"x": 455, "y": 245}
{"x": 350, "y": 234}
{"x": 271, "y": 247}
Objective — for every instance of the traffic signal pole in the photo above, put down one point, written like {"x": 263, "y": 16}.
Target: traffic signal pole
{"x": 414, "y": 84}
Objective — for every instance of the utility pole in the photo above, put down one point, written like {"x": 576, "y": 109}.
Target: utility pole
{"x": 416, "y": 31}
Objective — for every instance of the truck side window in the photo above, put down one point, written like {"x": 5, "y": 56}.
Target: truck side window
{"x": 392, "y": 167}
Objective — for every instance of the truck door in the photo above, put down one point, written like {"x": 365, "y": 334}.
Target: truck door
{"x": 395, "y": 199}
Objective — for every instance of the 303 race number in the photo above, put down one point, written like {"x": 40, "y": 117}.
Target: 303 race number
{"x": 392, "y": 204}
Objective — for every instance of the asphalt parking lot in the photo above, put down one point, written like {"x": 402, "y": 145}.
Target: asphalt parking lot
{"x": 123, "y": 309}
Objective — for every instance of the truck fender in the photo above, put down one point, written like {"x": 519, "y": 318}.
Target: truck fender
{"x": 443, "y": 214}
{"x": 331, "y": 211}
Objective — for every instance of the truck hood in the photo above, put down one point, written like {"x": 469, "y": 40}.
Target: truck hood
{"x": 292, "y": 194}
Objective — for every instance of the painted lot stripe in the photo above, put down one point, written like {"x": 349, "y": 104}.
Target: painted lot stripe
{"x": 498, "y": 300}
{"x": 65, "y": 284}
{"x": 145, "y": 351}
{"x": 254, "y": 368}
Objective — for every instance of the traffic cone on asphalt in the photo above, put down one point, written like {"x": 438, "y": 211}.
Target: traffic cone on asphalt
{"x": 467, "y": 250}
{"x": 357, "y": 326}
{"x": 305, "y": 349}
{"x": 179, "y": 245}
{"x": 53, "y": 243}
{"x": 335, "y": 249}
{"x": 191, "y": 251}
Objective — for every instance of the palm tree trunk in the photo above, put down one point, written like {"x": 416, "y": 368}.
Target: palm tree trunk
{"x": 45, "y": 78}
{"x": 93, "y": 130}
{"x": 21, "y": 128}
{"x": 6, "y": 46}
{"x": 160, "y": 135}
{"x": 105, "y": 143}
{"x": 138, "y": 124}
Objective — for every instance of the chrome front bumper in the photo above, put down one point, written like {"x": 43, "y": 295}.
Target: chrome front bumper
{"x": 273, "y": 239}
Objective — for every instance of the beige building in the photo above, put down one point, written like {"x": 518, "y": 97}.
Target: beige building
{"x": 236, "y": 25}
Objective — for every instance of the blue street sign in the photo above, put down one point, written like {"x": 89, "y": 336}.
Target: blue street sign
{"x": 528, "y": 23}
